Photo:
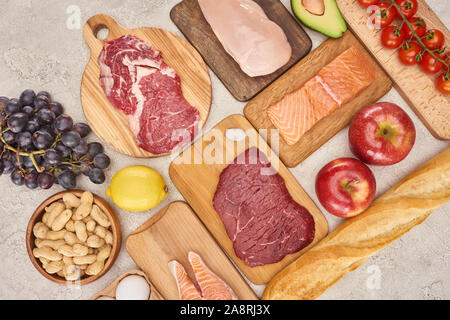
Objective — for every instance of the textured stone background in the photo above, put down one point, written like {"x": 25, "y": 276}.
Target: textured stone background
{"x": 38, "y": 50}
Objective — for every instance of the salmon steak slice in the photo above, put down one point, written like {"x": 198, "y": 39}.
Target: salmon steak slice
{"x": 186, "y": 288}
{"x": 333, "y": 86}
{"x": 209, "y": 286}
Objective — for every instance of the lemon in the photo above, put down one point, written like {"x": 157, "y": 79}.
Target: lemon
{"x": 137, "y": 188}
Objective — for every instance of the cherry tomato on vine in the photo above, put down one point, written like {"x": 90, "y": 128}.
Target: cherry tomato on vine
{"x": 443, "y": 83}
{"x": 409, "y": 53}
{"x": 447, "y": 60}
{"x": 392, "y": 37}
{"x": 430, "y": 64}
{"x": 419, "y": 26}
{"x": 384, "y": 16}
{"x": 367, "y": 3}
{"x": 434, "y": 39}
{"x": 407, "y": 7}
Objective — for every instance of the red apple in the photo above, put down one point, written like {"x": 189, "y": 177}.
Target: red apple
{"x": 381, "y": 134}
{"x": 345, "y": 187}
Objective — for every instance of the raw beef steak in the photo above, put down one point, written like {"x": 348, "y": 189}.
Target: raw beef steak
{"x": 260, "y": 216}
{"x": 137, "y": 81}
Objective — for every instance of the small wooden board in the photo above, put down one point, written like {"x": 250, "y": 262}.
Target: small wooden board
{"x": 417, "y": 88}
{"x": 189, "y": 18}
{"x": 111, "y": 124}
{"x": 110, "y": 291}
{"x": 196, "y": 177}
{"x": 170, "y": 235}
{"x": 325, "y": 129}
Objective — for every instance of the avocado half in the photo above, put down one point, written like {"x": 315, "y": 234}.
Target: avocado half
{"x": 321, "y": 15}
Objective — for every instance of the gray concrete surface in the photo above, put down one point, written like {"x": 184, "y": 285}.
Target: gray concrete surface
{"x": 42, "y": 47}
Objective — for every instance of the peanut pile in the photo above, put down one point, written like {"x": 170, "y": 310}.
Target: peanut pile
{"x": 74, "y": 237}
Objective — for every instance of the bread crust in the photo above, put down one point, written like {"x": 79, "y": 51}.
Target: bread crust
{"x": 403, "y": 207}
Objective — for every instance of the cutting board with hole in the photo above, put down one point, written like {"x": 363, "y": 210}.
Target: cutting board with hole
{"x": 196, "y": 172}
{"x": 417, "y": 88}
{"x": 111, "y": 124}
{"x": 256, "y": 110}
{"x": 170, "y": 235}
{"x": 189, "y": 18}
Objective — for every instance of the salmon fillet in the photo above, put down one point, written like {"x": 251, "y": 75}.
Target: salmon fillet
{"x": 186, "y": 288}
{"x": 333, "y": 86}
{"x": 210, "y": 286}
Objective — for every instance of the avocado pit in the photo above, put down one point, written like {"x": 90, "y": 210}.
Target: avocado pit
{"x": 316, "y": 7}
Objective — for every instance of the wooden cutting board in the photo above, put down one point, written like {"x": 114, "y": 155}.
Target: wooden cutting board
{"x": 322, "y": 131}
{"x": 196, "y": 172}
{"x": 417, "y": 88}
{"x": 189, "y": 18}
{"x": 110, "y": 291}
{"x": 111, "y": 124}
{"x": 170, "y": 235}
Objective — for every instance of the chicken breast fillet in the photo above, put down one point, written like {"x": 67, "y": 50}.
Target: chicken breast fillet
{"x": 256, "y": 43}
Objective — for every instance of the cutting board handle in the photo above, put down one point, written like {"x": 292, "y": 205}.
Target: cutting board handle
{"x": 94, "y": 24}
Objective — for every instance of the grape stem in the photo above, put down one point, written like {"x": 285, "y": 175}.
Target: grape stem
{"x": 38, "y": 168}
{"x": 72, "y": 163}
{"x": 18, "y": 162}
{"x": 409, "y": 24}
{"x": 57, "y": 139}
{"x": 25, "y": 154}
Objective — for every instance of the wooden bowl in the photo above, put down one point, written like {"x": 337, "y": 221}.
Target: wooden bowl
{"x": 110, "y": 291}
{"x": 115, "y": 229}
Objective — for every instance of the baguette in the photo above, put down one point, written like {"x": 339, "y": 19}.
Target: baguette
{"x": 406, "y": 205}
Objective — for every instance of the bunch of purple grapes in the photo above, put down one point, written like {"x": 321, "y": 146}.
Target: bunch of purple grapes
{"x": 40, "y": 145}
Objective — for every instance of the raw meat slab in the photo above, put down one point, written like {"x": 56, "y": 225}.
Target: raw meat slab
{"x": 111, "y": 125}
{"x": 197, "y": 181}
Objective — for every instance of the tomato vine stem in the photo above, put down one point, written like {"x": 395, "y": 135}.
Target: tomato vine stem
{"x": 419, "y": 40}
